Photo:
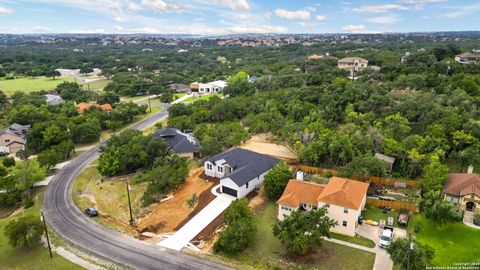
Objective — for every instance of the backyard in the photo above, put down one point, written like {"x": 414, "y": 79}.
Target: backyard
{"x": 453, "y": 242}
{"x": 268, "y": 253}
{"x": 30, "y": 258}
{"x": 26, "y": 85}
{"x": 202, "y": 97}
{"x": 377, "y": 214}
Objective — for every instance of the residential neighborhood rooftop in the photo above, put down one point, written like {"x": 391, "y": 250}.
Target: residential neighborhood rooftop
{"x": 178, "y": 141}
{"x": 246, "y": 164}
{"x": 461, "y": 184}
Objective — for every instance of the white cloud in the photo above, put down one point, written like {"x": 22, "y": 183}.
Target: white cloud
{"x": 425, "y": 17}
{"x": 320, "y": 18}
{"x": 267, "y": 15}
{"x": 351, "y": 28}
{"x": 257, "y": 29}
{"x": 422, "y": 1}
{"x": 241, "y": 16}
{"x": 119, "y": 19}
{"x": 292, "y": 15}
{"x": 161, "y": 6}
{"x": 133, "y": 7}
{"x": 147, "y": 30}
{"x": 380, "y": 8}
{"x": 233, "y": 4}
{"x": 4, "y": 10}
{"x": 388, "y": 19}
{"x": 41, "y": 29}
{"x": 119, "y": 28}
{"x": 462, "y": 11}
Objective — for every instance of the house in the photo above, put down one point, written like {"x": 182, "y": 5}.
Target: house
{"x": 353, "y": 63}
{"x": 387, "y": 160}
{"x": 183, "y": 144}
{"x": 406, "y": 58}
{"x": 344, "y": 199}
{"x": 82, "y": 107}
{"x": 463, "y": 189}
{"x": 179, "y": 88}
{"x": 206, "y": 88}
{"x": 466, "y": 58}
{"x": 54, "y": 99}
{"x": 253, "y": 79}
{"x": 321, "y": 57}
{"x": 240, "y": 170}
{"x": 13, "y": 138}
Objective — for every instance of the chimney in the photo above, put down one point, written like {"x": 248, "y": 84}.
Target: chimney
{"x": 470, "y": 169}
{"x": 299, "y": 175}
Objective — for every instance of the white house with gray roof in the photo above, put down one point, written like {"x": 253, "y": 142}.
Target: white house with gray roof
{"x": 183, "y": 144}
{"x": 240, "y": 170}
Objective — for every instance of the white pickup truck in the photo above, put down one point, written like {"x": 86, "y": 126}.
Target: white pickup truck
{"x": 386, "y": 237}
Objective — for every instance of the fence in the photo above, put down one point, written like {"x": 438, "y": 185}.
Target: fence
{"x": 374, "y": 179}
{"x": 393, "y": 204}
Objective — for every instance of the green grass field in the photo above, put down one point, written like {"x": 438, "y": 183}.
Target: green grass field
{"x": 30, "y": 258}
{"x": 359, "y": 240}
{"x": 96, "y": 84}
{"x": 197, "y": 98}
{"x": 27, "y": 85}
{"x": 375, "y": 213}
{"x": 453, "y": 242}
{"x": 269, "y": 253}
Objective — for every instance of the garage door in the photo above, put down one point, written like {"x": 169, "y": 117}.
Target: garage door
{"x": 229, "y": 191}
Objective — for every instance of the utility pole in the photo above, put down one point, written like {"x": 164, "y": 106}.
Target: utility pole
{"x": 42, "y": 217}
{"x": 149, "y": 104}
{"x": 129, "y": 204}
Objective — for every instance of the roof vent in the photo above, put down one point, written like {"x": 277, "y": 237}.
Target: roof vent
{"x": 470, "y": 169}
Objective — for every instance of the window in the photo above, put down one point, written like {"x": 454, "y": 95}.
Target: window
{"x": 327, "y": 205}
{"x": 344, "y": 223}
{"x": 345, "y": 210}
{"x": 209, "y": 166}
{"x": 247, "y": 185}
{"x": 284, "y": 207}
{"x": 7, "y": 140}
{"x": 220, "y": 168}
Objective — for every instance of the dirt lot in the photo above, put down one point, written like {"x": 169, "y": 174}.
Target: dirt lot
{"x": 168, "y": 216}
{"x": 265, "y": 144}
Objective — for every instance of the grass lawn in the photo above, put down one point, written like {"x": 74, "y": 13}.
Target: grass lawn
{"x": 97, "y": 84}
{"x": 108, "y": 197}
{"x": 30, "y": 258}
{"x": 128, "y": 99}
{"x": 453, "y": 242}
{"x": 202, "y": 97}
{"x": 29, "y": 85}
{"x": 178, "y": 95}
{"x": 375, "y": 213}
{"x": 268, "y": 253}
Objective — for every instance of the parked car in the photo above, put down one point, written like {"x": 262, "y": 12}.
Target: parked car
{"x": 386, "y": 237}
{"x": 91, "y": 212}
{"x": 403, "y": 217}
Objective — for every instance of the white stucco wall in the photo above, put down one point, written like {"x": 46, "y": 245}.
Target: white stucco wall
{"x": 243, "y": 190}
{"x": 336, "y": 212}
{"x": 215, "y": 172}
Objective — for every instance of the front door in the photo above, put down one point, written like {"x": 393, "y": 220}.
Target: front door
{"x": 470, "y": 206}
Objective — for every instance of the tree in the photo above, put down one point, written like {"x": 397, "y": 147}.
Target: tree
{"x": 85, "y": 70}
{"x": 26, "y": 174}
{"x": 53, "y": 74}
{"x": 301, "y": 231}
{"x": 24, "y": 231}
{"x": 434, "y": 176}
{"x": 239, "y": 85}
{"x": 433, "y": 205}
{"x": 276, "y": 180}
{"x": 166, "y": 97}
{"x": 239, "y": 231}
{"x": 410, "y": 255}
{"x": 364, "y": 165}
{"x": 8, "y": 162}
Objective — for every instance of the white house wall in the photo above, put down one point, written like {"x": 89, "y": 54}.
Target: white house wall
{"x": 336, "y": 212}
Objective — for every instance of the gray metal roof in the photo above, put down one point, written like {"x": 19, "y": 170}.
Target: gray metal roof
{"x": 17, "y": 129}
{"x": 246, "y": 164}
{"x": 178, "y": 141}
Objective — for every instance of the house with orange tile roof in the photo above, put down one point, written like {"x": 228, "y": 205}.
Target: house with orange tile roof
{"x": 83, "y": 106}
{"x": 344, "y": 199}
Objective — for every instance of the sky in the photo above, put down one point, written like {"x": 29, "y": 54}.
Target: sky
{"x": 217, "y": 17}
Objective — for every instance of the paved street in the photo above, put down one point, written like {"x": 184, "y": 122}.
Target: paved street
{"x": 91, "y": 237}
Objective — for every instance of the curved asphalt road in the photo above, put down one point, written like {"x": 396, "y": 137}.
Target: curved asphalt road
{"x": 87, "y": 235}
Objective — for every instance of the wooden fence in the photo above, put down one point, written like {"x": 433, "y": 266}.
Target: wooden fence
{"x": 374, "y": 179}
{"x": 393, "y": 204}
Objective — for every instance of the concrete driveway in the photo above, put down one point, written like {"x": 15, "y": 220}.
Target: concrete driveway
{"x": 182, "y": 237}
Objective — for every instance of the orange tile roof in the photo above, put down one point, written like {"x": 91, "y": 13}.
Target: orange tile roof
{"x": 298, "y": 191}
{"x": 344, "y": 192}
{"x": 83, "y": 106}
{"x": 339, "y": 191}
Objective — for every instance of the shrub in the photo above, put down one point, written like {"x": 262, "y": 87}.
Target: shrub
{"x": 193, "y": 200}
{"x": 476, "y": 219}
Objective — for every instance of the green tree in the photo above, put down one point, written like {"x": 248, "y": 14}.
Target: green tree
{"x": 433, "y": 205}
{"x": 166, "y": 97}
{"x": 276, "y": 180}
{"x": 26, "y": 174}
{"x": 239, "y": 85}
{"x": 301, "y": 231}
{"x": 410, "y": 255}
{"x": 239, "y": 231}
{"x": 24, "y": 231}
{"x": 365, "y": 165}
{"x": 434, "y": 176}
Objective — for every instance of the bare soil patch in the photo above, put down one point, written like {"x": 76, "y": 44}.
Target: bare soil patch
{"x": 264, "y": 144}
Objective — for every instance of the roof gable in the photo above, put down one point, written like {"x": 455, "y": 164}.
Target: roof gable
{"x": 461, "y": 184}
